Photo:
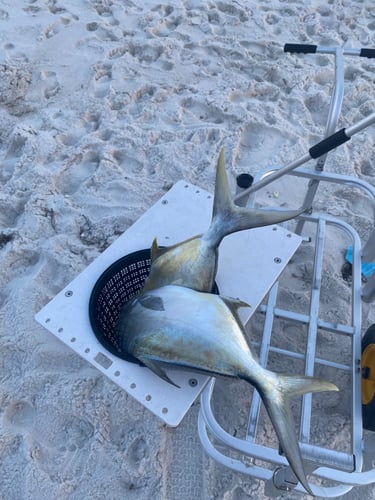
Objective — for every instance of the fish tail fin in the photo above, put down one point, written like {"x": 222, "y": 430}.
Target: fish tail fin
{"x": 275, "y": 394}
{"x": 228, "y": 218}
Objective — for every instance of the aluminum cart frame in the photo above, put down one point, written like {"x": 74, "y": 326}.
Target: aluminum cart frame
{"x": 336, "y": 472}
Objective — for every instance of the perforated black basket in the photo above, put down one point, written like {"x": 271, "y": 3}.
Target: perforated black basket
{"x": 118, "y": 284}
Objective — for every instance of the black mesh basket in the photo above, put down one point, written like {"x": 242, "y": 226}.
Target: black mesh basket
{"x": 118, "y": 284}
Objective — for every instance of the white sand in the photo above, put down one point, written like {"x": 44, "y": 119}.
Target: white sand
{"x": 103, "y": 106}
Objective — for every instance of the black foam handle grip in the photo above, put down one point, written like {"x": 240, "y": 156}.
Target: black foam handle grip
{"x": 300, "y": 48}
{"x": 370, "y": 53}
{"x": 329, "y": 143}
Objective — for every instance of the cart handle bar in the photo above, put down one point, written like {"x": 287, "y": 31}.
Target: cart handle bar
{"x": 321, "y": 148}
{"x": 300, "y": 48}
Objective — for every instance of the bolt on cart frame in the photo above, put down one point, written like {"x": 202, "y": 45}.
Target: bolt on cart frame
{"x": 335, "y": 471}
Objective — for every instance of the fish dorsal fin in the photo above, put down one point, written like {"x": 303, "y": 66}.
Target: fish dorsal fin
{"x": 156, "y": 251}
{"x": 234, "y": 304}
{"x": 222, "y": 198}
{"x": 157, "y": 369}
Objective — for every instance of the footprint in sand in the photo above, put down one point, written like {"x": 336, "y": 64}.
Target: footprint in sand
{"x": 199, "y": 111}
{"x": 106, "y": 10}
{"x": 20, "y": 415}
{"x": 3, "y": 15}
{"x": 13, "y": 55}
{"x": 138, "y": 451}
{"x": 258, "y": 141}
{"x": 50, "y": 85}
{"x": 90, "y": 122}
{"x": 367, "y": 168}
{"x": 54, "y": 437}
{"x": 55, "y": 8}
{"x": 317, "y": 105}
{"x": 14, "y": 152}
{"x": 102, "y": 79}
{"x": 51, "y": 30}
{"x": 165, "y": 20}
{"x": 77, "y": 173}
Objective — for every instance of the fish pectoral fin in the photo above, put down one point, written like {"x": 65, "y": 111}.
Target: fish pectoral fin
{"x": 152, "y": 302}
{"x": 234, "y": 304}
{"x": 157, "y": 369}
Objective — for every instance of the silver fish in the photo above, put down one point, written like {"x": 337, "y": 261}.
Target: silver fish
{"x": 193, "y": 263}
{"x": 175, "y": 326}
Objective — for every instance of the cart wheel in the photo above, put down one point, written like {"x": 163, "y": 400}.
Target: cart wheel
{"x": 368, "y": 379}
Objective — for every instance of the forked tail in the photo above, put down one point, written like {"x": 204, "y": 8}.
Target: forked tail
{"x": 276, "y": 390}
{"x": 228, "y": 218}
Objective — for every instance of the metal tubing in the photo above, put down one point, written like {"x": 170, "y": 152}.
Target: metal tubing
{"x": 274, "y": 175}
{"x": 331, "y": 125}
{"x": 354, "y": 129}
{"x": 337, "y": 95}
{"x": 312, "y": 330}
{"x": 263, "y": 355}
{"x": 368, "y": 251}
{"x": 350, "y": 463}
{"x": 357, "y": 127}
{"x": 252, "y": 450}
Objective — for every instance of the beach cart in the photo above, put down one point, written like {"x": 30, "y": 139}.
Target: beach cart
{"x": 334, "y": 469}
{"x": 251, "y": 266}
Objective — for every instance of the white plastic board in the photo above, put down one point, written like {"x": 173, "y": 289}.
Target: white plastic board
{"x": 249, "y": 263}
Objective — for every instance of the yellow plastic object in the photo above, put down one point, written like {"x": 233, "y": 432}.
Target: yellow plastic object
{"x": 368, "y": 374}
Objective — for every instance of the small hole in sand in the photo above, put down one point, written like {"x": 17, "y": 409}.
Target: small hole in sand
{"x": 60, "y": 330}
{"x": 87, "y": 350}
{"x": 148, "y": 397}
{"x": 73, "y": 339}
{"x": 133, "y": 385}
{"x": 117, "y": 373}
{"x": 92, "y": 26}
{"x": 164, "y": 410}
{"x": 48, "y": 320}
